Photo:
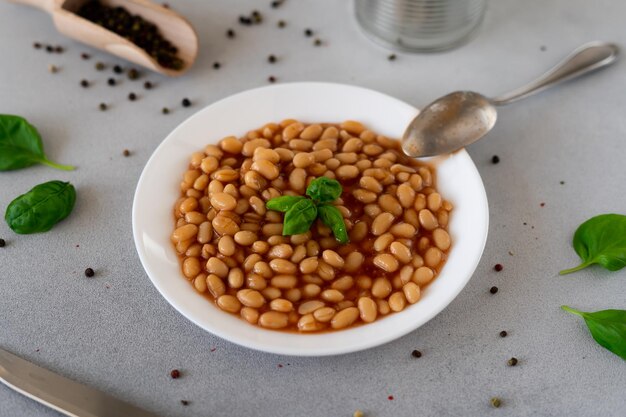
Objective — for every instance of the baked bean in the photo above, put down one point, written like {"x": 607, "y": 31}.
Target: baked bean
{"x": 299, "y": 253}
{"x": 256, "y": 282}
{"x": 332, "y": 296}
{"x": 312, "y": 248}
{"x": 383, "y": 307}
{"x": 250, "y": 298}
{"x": 310, "y": 306}
{"x": 412, "y": 292}
{"x": 199, "y": 283}
{"x": 367, "y": 309}
{"x": 386, "y": 262}
{"x": 397, "y": 302}
{"x": 217, "y": 266}
{"x": 382, "y": 242}
{"x": 381, "y": 288}
{"x": 403, "y": 230}
{"x": 371, "y": 184}
{"x": 406, "y": 273}
{"x": 185, "y": 232}
{"x": 311, "y": 290}
{"x": 231, "y": 144}
{"x": 225, "y": 225}
{"x": 308, "y": 265}
{"x": 273, "y": 320}
{"x": 325, "y": 144}
{"x": 307, "y": 323}
{"x": 303, "y": 160}
{"x": 215, "y": 285}
{"x": 372, "y": 210}
{"x": 423, "y": 275}
{"x": 406, "y": 195}
{"x": 324, "y": 314}
{"x": 441, "y": 239}
{"x": 343, "y": 284}
{"x": 442, "y": 218}
{"x": 333, "y": 259}
{"x": 266, "y": 168}
{"x": 284, "y": 281}
{"x": 364, "y": 282}
{"x": 428, "y": 220}
{"x": 191, "y": 267}
{"x": 226, "y": 245}
{"x": 229, "y": 303}
{"x": 344, "y": 318}
{"x": 433, "y": 257}
{"x": 330, "y": 132}
{"x": 325, "y": 271}
{"x": 272, "y": 229}
{"x": 271, "y": 293}
{"x": 263, "y": 269}
{"x": 352, "y": 145}
{"x": 381, "y": 223}
{"x": 346, "y": 172}
{"x": 283, "y": 266}
{"x": 364, "y": 196}
{"x": 354, "y": 261}
{"x": 194, "y": 250}
{"x": 390, "y": 204}
{"x": 261, "y": 154}
{"x": 401, "y": 252}
{"x": 283, "y": 251}
{"x": 282, "y": 305}
{"x": 434, "y": 202}
{"x": 235, "y": 278}
{"x": 427, "y": 177}
{"x": 251, "y": 315}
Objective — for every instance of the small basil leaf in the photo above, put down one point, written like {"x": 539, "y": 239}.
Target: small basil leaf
{"x": 324, "y": 189}
{"x": 21, "y": 146}
{"x": 331, "y": 216}
{"x": 608, "y": 328}
{"x": 299, "y": 217}
{"x": 283, "y": 203}
{"x": 601, "y": 240}
{"x": 41, "y": 208}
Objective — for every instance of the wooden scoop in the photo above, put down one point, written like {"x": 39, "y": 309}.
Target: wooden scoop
{"x": 173, "y": 27}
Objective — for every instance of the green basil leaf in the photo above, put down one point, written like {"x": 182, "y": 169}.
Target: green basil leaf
{"x": 608, "y": 328}
{"x": 21, "y": 146}
{"x": 324, "y": 190}
{"x": 331, "y": 216}
{"x": 601, "y": 240}
{"x": 41, "y": 208}
{"x": 299, "y": 217}
{"x": 283, "y": 203}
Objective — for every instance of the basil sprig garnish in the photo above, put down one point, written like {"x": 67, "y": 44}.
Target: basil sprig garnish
{"x": 21, "y": 146}
{"x": 601, "y": 240}
{"x": 608, "y": 328}
{"x": 301, "y": 212}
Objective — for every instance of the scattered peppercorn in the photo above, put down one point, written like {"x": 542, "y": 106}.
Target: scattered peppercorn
{"x": 52, "y": 68}
{"x": 271, "y": 59}
{"x": 271, "y": 79}
{"x": 495, "y": 159}
{"x": 184, "y": 402}
{"x": 126, "y": 152}
{"x": 317, "y": 42}
{"x": 493, "y": 290}
{"x": 37, "y": 45}
{"x": 175, "y": 374}
{"x": 308, "y": 32}
{"x": 133, "y": 74}
{"x": 562, "y": 182}
{"x": 118, "y": 69}
{"x": 147, "y": 85}
{"x": 3, "y": 243}
{"x": 85, "y": 56}
{"x": 103, "y": 106}
{"x": 136, "y": 29}
{"x": 58, "y": 49}
{"x": 282, "y": 24}
{"x": 416, "y": 354}
{"x": 503, "y": 333}
{"x": 111, "y": 81}
{"x": 89, "y": 272}
{"x": 392, "y": 57}
{"x": 216, "y": 65}
{"x": 277, "y": 3}
{"x": 542, "y": 204}
{"x": 512, "y": 362}
{"x": 230, "y": 33}
{"x": 245, "y": 20}
{"x": 495, "y": 402}
{"x": 256, "y": 16}
{"x": 132, "y": 96}
{"x": 49, "y": 48}
{"x": 498, "y": 267}
{"x": 186, "y": 102}
{"x": 165, "y": 110}
{"x": 100, "y": 66}
{"x": 84, "y": 83}
{"x": 390, "y": 398}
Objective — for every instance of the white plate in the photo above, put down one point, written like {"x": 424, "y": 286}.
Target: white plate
{"x": 158, "y": 189}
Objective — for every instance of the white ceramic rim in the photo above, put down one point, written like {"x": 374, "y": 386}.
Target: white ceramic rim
{"x": 158, "y": 188}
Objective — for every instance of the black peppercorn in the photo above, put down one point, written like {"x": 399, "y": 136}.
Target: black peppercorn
{"x": 37, "y": 45}
{"x": 282, "y": 24}
{"x": 392, "y": 57}
{"x": 317, "y": 42}
{"x": 271, "y": 59}
{"x": 165, "y": 110}
{"x": 216, "y": 65}
{"x": 495, "y": 402}
{"x": 308, "y": 32}
{"x": 85, "y": 56}
{"x": 132, "y": 96}
{"x": 495, "y": 159}
{"x": 498, "y": 267}
{"x": 503, "y": 333}
{"x": 133, "y": 74}
{"x": 84, "y": 83}
{"x": 184, "y": 402}
{"x": 117, "y": 69}
{"x": 175, "y": 374}
{"x": 493, "y": 290}
{"x": 230, "y": 33}
{"x": 58, "y": 49}
{"x": 512, "y": 362}
{"x": 89, "y": 272}
{"x": 3, "y": 243}
{"x": 103, "y": 106}
{"x": 111, "y": 81}
{"x": 147, "y": 85}
{"x": 276, "y": 3}
{"x": 100, "y": 66}
{"x": 271, "y": 79}
{"x": 126, "y": 152}
{"x": 416, "y": 354}
{"x": 49, "y": 48}
{"x": 186, "y": 102}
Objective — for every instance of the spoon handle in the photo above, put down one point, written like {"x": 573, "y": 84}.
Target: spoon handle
{"x": 587, "y": 58}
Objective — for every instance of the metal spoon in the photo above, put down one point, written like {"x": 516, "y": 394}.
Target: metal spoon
{"x": 460, "y": 118}
{"x": 175, "y": 28}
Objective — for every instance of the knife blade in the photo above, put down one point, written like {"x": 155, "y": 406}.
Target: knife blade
{"x": 59, "y": 393}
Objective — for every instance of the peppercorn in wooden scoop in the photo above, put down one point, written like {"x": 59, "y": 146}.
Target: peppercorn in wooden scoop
{"x": 139, "y": 31}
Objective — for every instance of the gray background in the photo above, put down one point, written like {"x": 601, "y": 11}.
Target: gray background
{"x": 117, "y": 333}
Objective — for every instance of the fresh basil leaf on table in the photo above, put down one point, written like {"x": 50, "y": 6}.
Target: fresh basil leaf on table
{"x": 601, "y": 240}
{"x": 41, "y": 208}
{"x": 283, "y": 203}
{"x": 324, "y": 190}
{"x": 299, "y": 217}
{"x": 21, "y": 146}
{"x": 331, "y": 216}
{"x": 608, "y": 328}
